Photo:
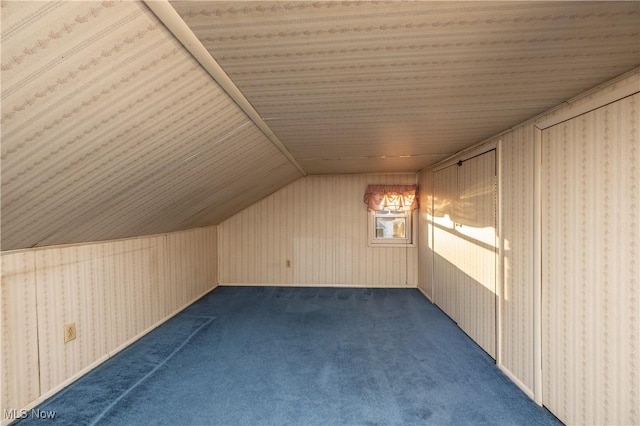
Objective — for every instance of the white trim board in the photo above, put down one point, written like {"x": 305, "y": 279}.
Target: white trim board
{"x": 313, "y": 285}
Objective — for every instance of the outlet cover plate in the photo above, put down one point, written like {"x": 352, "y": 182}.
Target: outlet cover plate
{"x": 69, "y": 332}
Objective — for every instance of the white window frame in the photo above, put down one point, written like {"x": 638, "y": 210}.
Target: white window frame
{"x": 375, "y": 241}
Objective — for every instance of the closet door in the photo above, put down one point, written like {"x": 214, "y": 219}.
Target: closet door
{"x": 465, "y": 246}
{"x": 476, "y": 230}
{"x": 446, "y": 275}
{"x": 591, "y": 267}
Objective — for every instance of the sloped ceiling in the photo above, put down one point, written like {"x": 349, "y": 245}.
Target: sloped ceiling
{"x": 110, "y": 128}
{"x": 346, "y": 84}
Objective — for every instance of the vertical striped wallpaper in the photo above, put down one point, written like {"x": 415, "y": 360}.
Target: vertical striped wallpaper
{"x": 591, "y": 276}
{"x": 516, "y": 234}
{"x": 318, "y": 224}
{"x": 20, "y": 383}
{"x": 425, "y": 233}
{"x": 114, "y": 292}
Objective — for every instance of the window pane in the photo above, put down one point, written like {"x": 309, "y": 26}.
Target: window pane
{"x": 390, "y": 227}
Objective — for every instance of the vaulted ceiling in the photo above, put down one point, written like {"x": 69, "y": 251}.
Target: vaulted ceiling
{"x": 112, "y": 128}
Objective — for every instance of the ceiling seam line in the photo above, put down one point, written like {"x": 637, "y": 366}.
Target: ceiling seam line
{"x": 163, "y": 10}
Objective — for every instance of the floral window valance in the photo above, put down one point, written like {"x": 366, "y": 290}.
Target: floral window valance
{"x": 391, "y": 197}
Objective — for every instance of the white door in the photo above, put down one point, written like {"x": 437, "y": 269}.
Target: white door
{"x": 446, "y": 276}
{"x": 476, "y": 228}
{"x": 465, "y": 246}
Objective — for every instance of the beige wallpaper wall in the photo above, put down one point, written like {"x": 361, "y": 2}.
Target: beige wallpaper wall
{"x": 114, "y": 292}
{"x": 319, "y": 224}
{"x": 590, "y": 270}
{"x": 20, "y": 377}
{"x": 516, "y": 213}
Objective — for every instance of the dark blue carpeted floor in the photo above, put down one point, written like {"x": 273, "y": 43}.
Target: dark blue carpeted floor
{"x": 299, "y": 356}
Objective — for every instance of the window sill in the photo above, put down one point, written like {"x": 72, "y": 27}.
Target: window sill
{"x": 391, "y": 245}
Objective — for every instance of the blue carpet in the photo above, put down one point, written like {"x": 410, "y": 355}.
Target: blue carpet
{"x": 299, "y": 356}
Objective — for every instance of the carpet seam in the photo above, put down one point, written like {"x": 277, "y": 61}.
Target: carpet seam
{"x": 149, "y": 374}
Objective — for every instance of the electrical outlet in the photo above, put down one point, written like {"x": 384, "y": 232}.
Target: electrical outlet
{"x": 69, "y": 332}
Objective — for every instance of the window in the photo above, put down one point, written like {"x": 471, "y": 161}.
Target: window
{"x": 390, "y": 228}
{"x": 391, "y": 210}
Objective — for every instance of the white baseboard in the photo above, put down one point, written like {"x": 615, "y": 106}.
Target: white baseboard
{"x": 524, "y": 388}
{"x": 315, "y": 285}
{"x": 425, "y": 294}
